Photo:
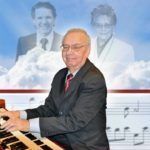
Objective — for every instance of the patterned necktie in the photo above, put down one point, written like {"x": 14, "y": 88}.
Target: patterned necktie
{"x": 44, "y": 41}
{"x": 67, "y": 84}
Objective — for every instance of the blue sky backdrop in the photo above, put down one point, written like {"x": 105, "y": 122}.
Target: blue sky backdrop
{"x": 133, "y": 23}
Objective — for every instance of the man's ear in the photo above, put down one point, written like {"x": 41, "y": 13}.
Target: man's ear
{"x": 88, "y": 51}
{"x": 54, "y": 22}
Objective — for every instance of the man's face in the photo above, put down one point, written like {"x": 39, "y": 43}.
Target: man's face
{"x": 44, "y": 21}
{"x": 75, "y": 50}
{"x": 103, "y": 27}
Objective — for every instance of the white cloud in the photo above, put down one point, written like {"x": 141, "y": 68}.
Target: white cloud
{"x": 136, "y": 76}
{"x": 3, "y": 70}
{"x": 33, "y": 70}
{"x": 37, "y": 68}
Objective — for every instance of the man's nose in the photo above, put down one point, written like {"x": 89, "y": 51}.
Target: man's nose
{"x": 69, "y": 51}
{"x": 102, "y": 27}
{"x": 44, "y": 20}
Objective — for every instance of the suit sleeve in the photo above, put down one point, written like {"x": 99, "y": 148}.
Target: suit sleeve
{"x": 49, "y": 108}
{"x": 92, "y": 98}
{"x": 46, "y": 110}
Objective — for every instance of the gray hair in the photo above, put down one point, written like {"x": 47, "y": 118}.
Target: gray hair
{"x": 104, "y": 10}
{"x": 78, "y": 30}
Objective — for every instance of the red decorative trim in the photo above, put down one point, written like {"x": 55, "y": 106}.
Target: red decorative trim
{"x": 129, "y": 91}
{"x": 24, "y": 90}
{"x": 46, "y": 91}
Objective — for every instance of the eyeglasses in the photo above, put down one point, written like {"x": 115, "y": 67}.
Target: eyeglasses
{"x": 106, "y": 26}
{"x": 74, "y": 47}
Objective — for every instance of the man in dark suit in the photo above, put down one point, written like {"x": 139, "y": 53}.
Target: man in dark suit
{"x": 43, "y": 15}
{"x": 74, "y": 112}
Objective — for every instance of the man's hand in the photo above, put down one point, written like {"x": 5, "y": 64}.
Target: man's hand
{"x": 10, "y": 114}
{"x": 16, "y": 124}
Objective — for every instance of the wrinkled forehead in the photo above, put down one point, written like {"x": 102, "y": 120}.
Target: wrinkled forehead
{"x": 75, "y": 38}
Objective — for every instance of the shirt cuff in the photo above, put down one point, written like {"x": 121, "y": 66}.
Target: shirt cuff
{"x": 23, "y": 114}
{"x": 34, "y": 125}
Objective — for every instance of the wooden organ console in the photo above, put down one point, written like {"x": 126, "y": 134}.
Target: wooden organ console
{"x": 18, "y": 140}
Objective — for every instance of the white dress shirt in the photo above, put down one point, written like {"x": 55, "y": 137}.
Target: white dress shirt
{"x": 49, "y": 37}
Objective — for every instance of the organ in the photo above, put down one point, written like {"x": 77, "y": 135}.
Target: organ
{"x": 18, "y": 140}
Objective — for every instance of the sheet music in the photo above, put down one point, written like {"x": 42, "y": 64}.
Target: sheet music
{"x": 128, "y": 117}
{"x": 128, "y": 121}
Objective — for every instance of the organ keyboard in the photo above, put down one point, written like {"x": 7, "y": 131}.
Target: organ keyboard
{"x": 24, "y": 141}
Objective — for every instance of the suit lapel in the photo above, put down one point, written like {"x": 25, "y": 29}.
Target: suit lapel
{"x": 60, "y": 84}
{"x": 75, "y": 82}
{"x": 33, "y": 40}
{"x": 78, "y": 77}
{"x": 56, "y": 42}
{"x": 53, "y": 46}
{"x": 63, "y": 82}
{"x": 106, "y": 51}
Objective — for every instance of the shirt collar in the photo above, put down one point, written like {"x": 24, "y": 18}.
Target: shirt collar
{"x": 72, "y": 73}
{"x": 49, "y": 37}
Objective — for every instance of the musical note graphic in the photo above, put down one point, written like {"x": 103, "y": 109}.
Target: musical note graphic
{"x": 126, "y": 111}
{"x": 130, "y": 109}
{"x": 128, "y": 122}
{"x": 139, "y": 142}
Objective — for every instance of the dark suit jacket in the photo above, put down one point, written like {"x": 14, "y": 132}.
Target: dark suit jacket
{"x": 28, "y": 42}
{"x": 77, "y": 116}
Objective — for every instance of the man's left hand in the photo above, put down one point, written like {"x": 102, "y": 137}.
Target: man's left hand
{"x": 16, "y": 124}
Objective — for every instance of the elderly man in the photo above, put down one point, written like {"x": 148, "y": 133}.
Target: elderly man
{"x": 74, "y": 112}
{"x": 43, "y": 15}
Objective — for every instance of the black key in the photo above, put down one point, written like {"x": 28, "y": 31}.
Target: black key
{"x": 38, "y": 142}
{"x": 45, "y": 147}
{"x": 18, "y": 146}
{"x": 24, "y": 132}
{"x": 4, "y": 134}
{"x": 5, "y": 118}
{"x": 1, "y": 129}
{"x": 3, "y": 146}
{"x": 30, "y": 136}
{"x": 10, "y": 140}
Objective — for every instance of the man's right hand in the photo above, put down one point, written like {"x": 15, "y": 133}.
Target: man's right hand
{"x": 10, "y": 114}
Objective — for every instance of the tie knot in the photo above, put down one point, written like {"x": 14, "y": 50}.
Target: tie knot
{"x": 68, "y": 80}
{"x": 69, "y": 76}
{"x": 44, "y": 41}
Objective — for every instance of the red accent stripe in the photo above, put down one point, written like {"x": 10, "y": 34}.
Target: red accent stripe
{"x": 129, "y": 91}
{"x": 46, "y": 91}
{"x": 24, "y": 90}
